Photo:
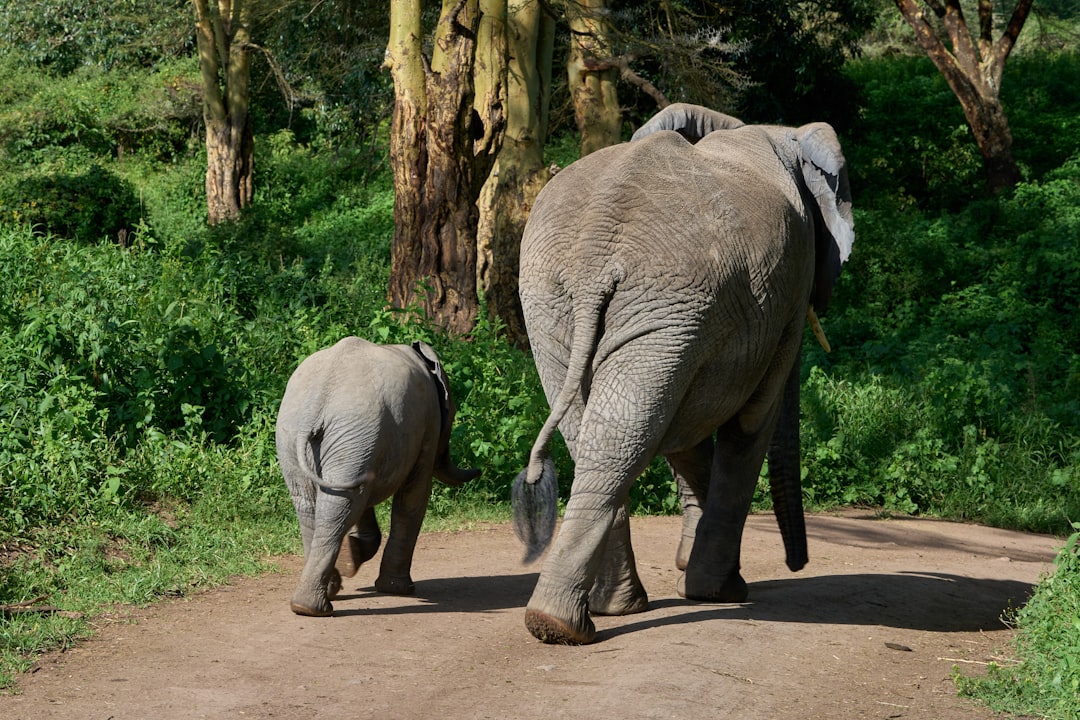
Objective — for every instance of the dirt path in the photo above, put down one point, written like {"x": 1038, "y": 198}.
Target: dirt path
{"x": 872, "y": 628}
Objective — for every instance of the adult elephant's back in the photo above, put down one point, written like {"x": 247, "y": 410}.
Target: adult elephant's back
{"x": 666, "y": 238}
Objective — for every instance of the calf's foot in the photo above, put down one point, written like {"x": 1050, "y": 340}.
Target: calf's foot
{"x": 310, "y": 607}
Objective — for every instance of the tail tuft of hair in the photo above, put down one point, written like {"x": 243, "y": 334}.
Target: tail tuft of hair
{"x": 536, "y": 507}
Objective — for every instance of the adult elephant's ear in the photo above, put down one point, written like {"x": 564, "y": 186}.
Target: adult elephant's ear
{"x": 693, "y": 122}
{"x": 825, "y": 174}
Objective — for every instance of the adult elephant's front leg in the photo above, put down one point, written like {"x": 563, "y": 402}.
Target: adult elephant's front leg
{"x": 691, "y": 471}
{"x": 618, "y": 589}
{"x": 712, "y": 573}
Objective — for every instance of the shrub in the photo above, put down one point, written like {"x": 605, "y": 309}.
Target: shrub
{"x": 96, "y": 114}
{"x": 86, "y": 206}
{"x": 953, "y": 386}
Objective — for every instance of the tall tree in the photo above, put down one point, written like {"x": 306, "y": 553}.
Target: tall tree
{"x": 223, "y": 34}
{"x": 591, "y": 76}
{"x": 519, "y": 173}
{"x": 974, "y": 70}
{"x": 441, "y": 150}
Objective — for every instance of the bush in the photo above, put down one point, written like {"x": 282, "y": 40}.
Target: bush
{"x": 914, "y": 144}
{"x": 87, "y": 206}
{"x": 954, "y": 383}
{"x": 93, "y": 115}
{"x": 139, "y": 385}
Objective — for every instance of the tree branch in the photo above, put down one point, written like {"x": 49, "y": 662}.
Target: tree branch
{"x": 623, "y": 64}
{"x": 986, "y": 27}
{"x": 31, "y": 606}
{"x": 1008, "y": 39}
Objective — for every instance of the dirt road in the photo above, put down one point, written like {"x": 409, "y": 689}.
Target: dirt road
{"x": 872, "y": 628}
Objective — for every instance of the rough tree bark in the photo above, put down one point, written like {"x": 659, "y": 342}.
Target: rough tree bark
{"x": 519, "y": 173}
{"x": 441, "y": 149}
{"x": 223, "y": 36}
{"x": 593, "y": 81}
{"x": 974, "y": 71}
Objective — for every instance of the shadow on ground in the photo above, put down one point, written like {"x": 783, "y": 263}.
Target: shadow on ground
{"x": 932, "y": 602}
{"x": 935, "y": 602}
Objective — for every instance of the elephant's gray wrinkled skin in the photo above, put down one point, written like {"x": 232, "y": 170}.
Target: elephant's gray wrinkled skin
{"x": 359, "y": 423}
{"x": 665, "y": 284}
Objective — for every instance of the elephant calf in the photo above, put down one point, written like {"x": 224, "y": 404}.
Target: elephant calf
{"x": 360, "y": 423}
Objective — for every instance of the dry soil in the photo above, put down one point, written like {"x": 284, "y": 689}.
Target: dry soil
{"x": 873, "y": 627}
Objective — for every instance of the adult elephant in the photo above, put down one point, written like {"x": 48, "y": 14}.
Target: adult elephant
{"x": 665, "y": 284}
{"x": 359, "y": 423}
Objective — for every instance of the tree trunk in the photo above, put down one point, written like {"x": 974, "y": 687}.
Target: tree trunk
{"x": 974, "y": 70}
{"x": 592, "y": 78}
{"x": 229, "y": 156}
{"x": 519, "y": 173}
{"x": 436, "y": 131}
{"x": 223, "y": 37}
{"x": 408, "y": 151}
{"x": 990, "y": 127}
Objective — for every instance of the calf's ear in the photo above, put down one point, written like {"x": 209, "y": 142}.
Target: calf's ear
{"x": 442, "y": 384}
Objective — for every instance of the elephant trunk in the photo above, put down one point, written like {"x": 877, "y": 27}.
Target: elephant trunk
{"x": 450, "y": 474}
{"x": 445, "y": 470}
{"x": 785, "y": 475}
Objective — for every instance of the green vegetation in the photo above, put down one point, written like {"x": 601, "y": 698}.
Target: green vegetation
{"x": 954, "y": 385}
{"x": 1045, "y": 679}
{"x": 142, "y": 354}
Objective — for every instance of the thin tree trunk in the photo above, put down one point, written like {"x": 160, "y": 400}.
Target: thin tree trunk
{"x": 593, "y": 81}
{"x": 408, "y": 151}
{"x": 519, "y": 173}
{"x": 223, "y": 38}
{"x": 974, "y": 70}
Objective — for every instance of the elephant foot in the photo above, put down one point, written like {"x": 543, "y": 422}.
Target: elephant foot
{"x": 551, "y": 630}
{"x": 302, "y": 606}
{"x": 697, "y": 587}
{"x": 682, "y": 555}
{"x": 623, "y": 598}
{"x": 355, "y": 551}
{"x": 333, "y": 584}
{"x": 395, "y": 585}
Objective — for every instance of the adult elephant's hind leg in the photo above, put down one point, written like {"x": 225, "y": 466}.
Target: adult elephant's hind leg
{"x": 558, "y": 610}
{"x": 610, "y": 452}
{"x": 618, "y": 589}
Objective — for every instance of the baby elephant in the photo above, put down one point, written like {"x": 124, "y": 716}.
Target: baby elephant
{"x": 360, "y": 422}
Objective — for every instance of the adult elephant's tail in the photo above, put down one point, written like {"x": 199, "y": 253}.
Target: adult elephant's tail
{"x": 535, "y": 493}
